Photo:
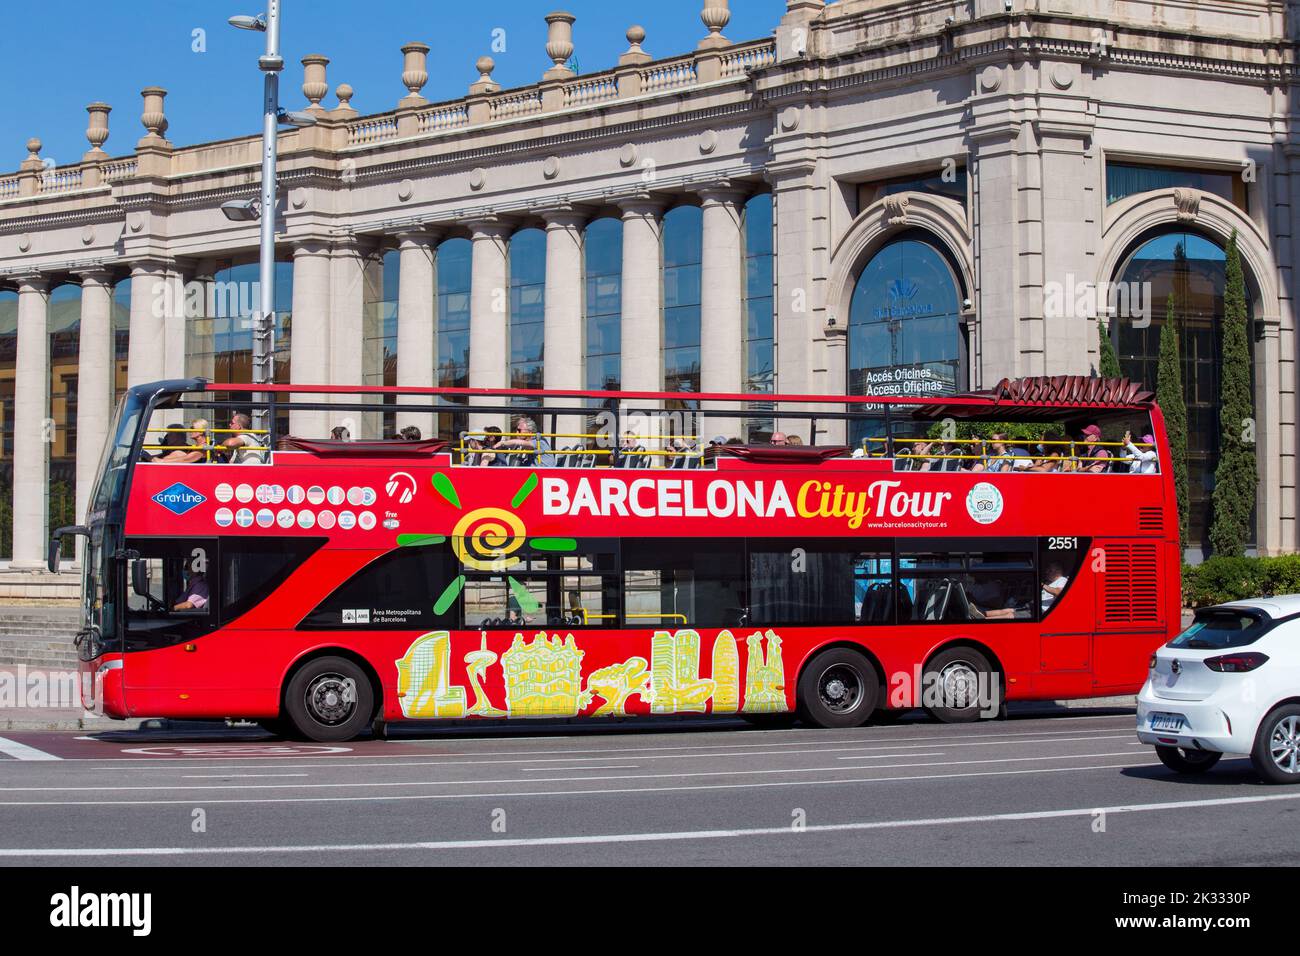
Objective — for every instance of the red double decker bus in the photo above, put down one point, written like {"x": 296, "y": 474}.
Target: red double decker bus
{"x": 599, "y": 556}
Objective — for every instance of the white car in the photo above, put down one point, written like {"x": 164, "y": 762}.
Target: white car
{"x": 1229, "y": 684}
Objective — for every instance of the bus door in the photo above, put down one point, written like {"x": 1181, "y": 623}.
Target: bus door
{"x": 170, "y": 588}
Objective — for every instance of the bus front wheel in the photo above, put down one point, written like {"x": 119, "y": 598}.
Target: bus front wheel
{"x": 330, "y": 699}
{"x": 838, "y": 688}
{"x": 960, "y": 686}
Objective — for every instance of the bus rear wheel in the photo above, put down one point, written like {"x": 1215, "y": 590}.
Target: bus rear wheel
{"x": 838, "y": 688}
{"x": 959, "y": 680}
{"x": 330, "y": 699}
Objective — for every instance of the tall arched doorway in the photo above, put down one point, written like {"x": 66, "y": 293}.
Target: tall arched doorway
{"x": 1188, "y": 268}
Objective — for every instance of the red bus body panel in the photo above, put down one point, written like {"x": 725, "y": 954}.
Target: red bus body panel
{"x": 240, "y": 669}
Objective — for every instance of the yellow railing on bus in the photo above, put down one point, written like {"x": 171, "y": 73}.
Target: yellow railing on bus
{"x": 207, "y": 447}
{"x": 589, "y": 616}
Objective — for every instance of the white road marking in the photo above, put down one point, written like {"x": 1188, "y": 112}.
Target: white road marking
{"x": 12, "y": 748}
{"x": 229, "y": 776}
{"x": 626, "y": 766}
{"x": 470, "y": 783}
{"x": 610, "y": 791}
{"x": 670, "y": 836}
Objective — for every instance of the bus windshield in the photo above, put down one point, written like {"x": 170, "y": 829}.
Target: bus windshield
{"x": 116, "y": 458}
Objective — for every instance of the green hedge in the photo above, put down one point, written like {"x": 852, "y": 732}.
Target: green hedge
{"x": 1231, "y": 579}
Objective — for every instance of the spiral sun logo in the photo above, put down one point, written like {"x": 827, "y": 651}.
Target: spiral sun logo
{"x": 487, "y": 539}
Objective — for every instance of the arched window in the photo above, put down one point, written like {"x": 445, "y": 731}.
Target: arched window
{"x": 527, "y": 307}
{"x": 683, "y": 235}
{"x": 1189, "y": 270}
{"x": 760, "y": 312}
{"x": 602, "y": 266}
{"x": 905, "y": 333}
{"x": 8, "y": 361}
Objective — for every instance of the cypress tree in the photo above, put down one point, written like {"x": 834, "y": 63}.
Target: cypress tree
{"x": 1173, "y": 403}
{"x": 1235, "y": 478}
{"x": 1107, "y": 360}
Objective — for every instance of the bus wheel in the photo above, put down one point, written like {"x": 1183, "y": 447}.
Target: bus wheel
{"x": 838, "y": 688}
{"x": 330, "y": 699}
{"x": 958, "y": 680}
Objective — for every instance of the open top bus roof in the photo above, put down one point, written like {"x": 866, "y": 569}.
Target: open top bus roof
{"x": 1043, "y": 396}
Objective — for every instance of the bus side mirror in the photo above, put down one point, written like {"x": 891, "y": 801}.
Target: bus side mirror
{"x": 56, "y": 544}
{"x": 140, "y": 577}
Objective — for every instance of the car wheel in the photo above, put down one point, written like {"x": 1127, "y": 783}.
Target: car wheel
{"x": 330, "y": 699}
{"x": 1185, "y": 760}
{"x": 961, "y": 677}
{"x": 1276, "y": 755}
{"x": 838, "y": 688}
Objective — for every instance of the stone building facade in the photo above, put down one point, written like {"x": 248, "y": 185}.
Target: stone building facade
{"x": 884, "y": 195}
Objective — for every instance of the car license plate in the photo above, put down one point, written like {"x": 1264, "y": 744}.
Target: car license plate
{"x": 1167, "y": 722}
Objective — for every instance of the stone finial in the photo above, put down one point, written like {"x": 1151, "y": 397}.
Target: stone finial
{"x": 634, "y": 56}
{"x": 153, "y": 117}
{"x": 314, "y": 86}
{"x": 344, "y": 92}
{"x": 716, "y": 15}
{"x": 415, "y": 73}
{"x": 97, "y": 130}
{"x": 559, "y": 44}
{"x": 484, "y": 84}
{"x": 33, "y": 151}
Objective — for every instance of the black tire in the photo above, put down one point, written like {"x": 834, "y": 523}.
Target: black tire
{"x": 330, "y": 699}
{"x": 960, "y": 674}
{"x": 1182, "y": 760}
{"x": 771, "y": 721}
{"x": 838, "y": 688}
{"x": 1276, "y": 743}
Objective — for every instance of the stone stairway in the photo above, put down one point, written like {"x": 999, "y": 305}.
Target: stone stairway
{"x": 38, "y": 636}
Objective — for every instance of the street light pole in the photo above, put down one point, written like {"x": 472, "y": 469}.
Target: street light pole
{"x": 264, "y": 321}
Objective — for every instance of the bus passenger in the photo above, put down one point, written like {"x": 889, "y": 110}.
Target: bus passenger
{"x": 194, "y": 451}
{"x": 340, "y": 433}
{"x": 243, "y": 447}
{"x": 409, "y": 433}
{"x": 1093, "y": 459}
{"x": 1141, "y": 461}
{"x": 1054, "y": 583}
{"x": 529, "y": 440}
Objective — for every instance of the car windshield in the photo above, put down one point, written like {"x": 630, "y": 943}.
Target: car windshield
{"x": 1217, "y": 628}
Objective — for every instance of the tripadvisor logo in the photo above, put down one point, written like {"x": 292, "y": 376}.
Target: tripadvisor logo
{"x": 75, "y": 908}
{"x": 488, "y": 539}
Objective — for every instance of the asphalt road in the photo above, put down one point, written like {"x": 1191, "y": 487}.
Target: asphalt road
{"x": 1071, "y": 788}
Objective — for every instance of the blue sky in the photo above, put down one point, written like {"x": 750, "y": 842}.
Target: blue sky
{"x": 96, "y": 50}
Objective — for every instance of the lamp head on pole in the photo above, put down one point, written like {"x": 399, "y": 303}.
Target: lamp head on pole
{"x": 257, "y": 23}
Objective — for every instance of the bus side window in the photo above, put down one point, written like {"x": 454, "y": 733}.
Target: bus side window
{"x": 170, "y": 591}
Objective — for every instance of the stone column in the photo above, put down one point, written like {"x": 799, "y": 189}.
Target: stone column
{"x": 175, "y": 328}
{"x": 799, "y": 320}
{"x": 642, "y": 329}
{"x": 489, "y": 306}
{"x": 416, "y": 325}
{"x": 94, "y": 379}
{"x": 145, "y": 353}
{"x": 309, "y": 348}
{"x": 31, "y": 461}
{"x": 722, "y": 319}
{"x": 347, "y": 329}
{"x": 564, "y": 344}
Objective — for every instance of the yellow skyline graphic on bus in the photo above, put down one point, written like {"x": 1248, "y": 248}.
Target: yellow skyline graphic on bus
{"x": 543, "y": 677}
